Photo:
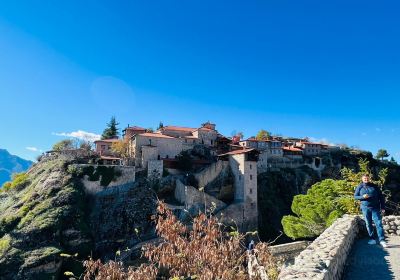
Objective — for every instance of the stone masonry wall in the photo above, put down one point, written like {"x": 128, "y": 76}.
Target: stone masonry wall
{"x": 391, "y": 225}
{"x": 325, "y": 258}
{"x": 210, "y": 173}
{"x": 193, "y": 198}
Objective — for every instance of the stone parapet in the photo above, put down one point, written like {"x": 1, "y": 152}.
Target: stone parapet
{"x": 391, "y": 225}
{"x": 325, "y": 257}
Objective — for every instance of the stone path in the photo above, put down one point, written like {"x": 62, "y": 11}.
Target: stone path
{"x": 374, "y": 262}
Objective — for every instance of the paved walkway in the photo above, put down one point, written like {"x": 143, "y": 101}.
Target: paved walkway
{"x": 374, "y": 262}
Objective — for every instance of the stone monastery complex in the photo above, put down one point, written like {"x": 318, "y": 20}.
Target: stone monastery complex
{"x": 159, "y": 151}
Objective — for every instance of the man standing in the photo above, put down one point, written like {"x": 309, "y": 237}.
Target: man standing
{"x": 372, "y": 203}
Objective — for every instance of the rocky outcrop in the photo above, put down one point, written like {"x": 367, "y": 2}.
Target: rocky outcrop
{"x": 50, "y": 213}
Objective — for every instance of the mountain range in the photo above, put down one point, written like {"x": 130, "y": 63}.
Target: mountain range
{"x": 10, "y": 164}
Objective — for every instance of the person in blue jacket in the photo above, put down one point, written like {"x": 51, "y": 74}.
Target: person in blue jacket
{"x": 372, "y": 204}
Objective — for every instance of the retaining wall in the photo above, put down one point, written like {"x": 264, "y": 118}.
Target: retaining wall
{"x": 391, "y": 225}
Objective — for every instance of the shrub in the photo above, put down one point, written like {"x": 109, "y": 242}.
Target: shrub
{"x": 19, "y": 180}
{"x": 202, "y": 252}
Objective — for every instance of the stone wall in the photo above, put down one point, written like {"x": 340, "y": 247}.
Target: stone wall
{"x": 210, "y": 173}
{"x": 326, "y": 256}
{"x": 155, "y": 168}
{"x": 127, "y": 177}
{"x": 194, "y": 200}
{"x": 391, "y": 225}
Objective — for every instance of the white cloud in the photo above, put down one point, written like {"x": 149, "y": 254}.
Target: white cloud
{"x": 80, "y": 134}
{"x": 33, "y": 149}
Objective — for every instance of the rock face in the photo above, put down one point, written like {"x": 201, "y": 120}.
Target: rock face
{"x": 51, "y": 213}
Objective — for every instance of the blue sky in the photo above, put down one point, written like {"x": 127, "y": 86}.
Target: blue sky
{"x": 323, "y": 69}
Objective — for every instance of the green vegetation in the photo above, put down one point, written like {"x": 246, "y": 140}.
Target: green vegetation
{"x": 66, "y": 144}
{"x": 111, "y": 131}
{"x": 19, "y": 180}
{"x": 185, "y": 161}
{"x": 4, "y": 244}
{"x": 103, "y": 173}
{"x": 325, "y": 202}
{"x": 263, "y": 135}
{"x": 381, "y": 154}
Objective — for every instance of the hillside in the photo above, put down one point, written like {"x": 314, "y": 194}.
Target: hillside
{"x": 49, "y": 213}
{"x": 10, "y": 164}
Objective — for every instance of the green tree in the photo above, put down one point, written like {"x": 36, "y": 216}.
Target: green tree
{"x": 326, "y": 201}
{"x": 263, "y": 135}
{"x": 111, "y": 131}
{"x": 66, "y": 144}
{"x": 381, "y": 154}
{"x": 160, "y": 125}
{"x": 185, "y": 161}
{"x": 392, "y": 160}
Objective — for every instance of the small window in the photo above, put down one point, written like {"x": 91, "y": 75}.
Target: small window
{"x": 251, "y": 177}
{"x": 250, "y": 166}
{"x": 211, "y": 142}
{"x": 158, "y": 157}
{"x": 251, "y": 190}
{"x": 167, "y": 156}
{"x": 252, "y": 204}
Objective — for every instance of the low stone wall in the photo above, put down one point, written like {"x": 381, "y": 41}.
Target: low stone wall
{"x": 287, "y": 252}
{"x": 391, "y": 225}
{"x": 325, "y": 258}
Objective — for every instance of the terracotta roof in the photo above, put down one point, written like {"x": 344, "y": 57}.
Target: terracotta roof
{"x": 293, "y": 149}
{"x": 110, "y": 158}
{"x": 178, "y": 128}
{"x": 107, "y": 140}
{"x": 237, "y": 152}
{"x": 135, "y": 128}
{"x": 156, "y": 135}
{"x": 310, "y": 143}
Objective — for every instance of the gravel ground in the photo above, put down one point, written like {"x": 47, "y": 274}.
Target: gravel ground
{"x": 373, "y": 261}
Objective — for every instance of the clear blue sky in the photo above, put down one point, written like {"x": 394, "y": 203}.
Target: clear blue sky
{"x": 323, "y": 69}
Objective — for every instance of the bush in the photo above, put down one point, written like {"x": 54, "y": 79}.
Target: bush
{"x": 204, "y": 252}
{"x": 19, "y": 180}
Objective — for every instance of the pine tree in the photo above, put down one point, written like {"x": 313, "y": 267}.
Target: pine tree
{"x": 111, "y": 131}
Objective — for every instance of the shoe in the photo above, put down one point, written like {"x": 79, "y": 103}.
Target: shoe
{"x": 372, "y": 242}
{"x": 383, "y": 244}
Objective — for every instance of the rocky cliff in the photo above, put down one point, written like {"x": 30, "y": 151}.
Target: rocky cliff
{"x": 49, "y": 213}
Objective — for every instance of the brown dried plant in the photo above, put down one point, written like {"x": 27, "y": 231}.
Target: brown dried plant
{"x": 205, "y": 250}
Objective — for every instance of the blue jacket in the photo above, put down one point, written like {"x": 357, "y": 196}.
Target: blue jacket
{"x": 375, "y": 199}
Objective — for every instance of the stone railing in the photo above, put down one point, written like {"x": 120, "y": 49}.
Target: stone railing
{"x": 391, "y": 225}
{"x": 325, "y": 258}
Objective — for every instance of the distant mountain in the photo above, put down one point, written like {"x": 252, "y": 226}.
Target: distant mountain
{"x": 10, "y": 164}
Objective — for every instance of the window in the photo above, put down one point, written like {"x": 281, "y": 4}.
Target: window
{"x": 167, "y": 156}
{"x": 251, "y": 190}
{"x": 158, "y": 157}
{"x": 251, "y": 177}
{"x": 149, "y": 141}
{"x": 211, "y": 142}
{"x": 250, "y": 166}
{"x": 252, "y": 204}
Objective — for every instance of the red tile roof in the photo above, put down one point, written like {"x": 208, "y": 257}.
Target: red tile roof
{"x": 237, "y": 152}
{"x": 107, "y": 140}
{"x": 293, "y": 149}
{"x": 110, "y": 158}
{"x": 156, "y": 135}
{"x": 135, "y": 128}
{"x": 178, "y": 128}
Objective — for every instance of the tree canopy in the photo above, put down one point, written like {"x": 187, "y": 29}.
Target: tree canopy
{"x": 381, "y": 154}
{"x": 65, "y": 144}
{"x": 112, "y": 130}
{"x": 263, "y": 135}
{"x": 326, "y": 201}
